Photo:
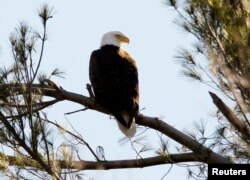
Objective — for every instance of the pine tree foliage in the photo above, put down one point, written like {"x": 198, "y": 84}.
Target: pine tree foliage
{"x": 220, "y": 58}
{"x": 25, "y": 128}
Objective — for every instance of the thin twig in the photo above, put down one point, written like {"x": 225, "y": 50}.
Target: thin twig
{"x": 42, "y": 105}
{"x": 79, "y": 137}
{"x": 85, "y": 143}
{"x": 41, "y": 52}
{"x": 84, "y": 109}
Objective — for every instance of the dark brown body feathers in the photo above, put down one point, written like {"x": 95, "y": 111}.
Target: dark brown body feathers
{"x": 114, "y": 78}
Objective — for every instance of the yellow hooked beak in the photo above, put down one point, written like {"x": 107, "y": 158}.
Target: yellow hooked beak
{"x": 122, "y": 39}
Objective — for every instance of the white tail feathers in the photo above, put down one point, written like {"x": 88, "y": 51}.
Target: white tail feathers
{"x": 125, "y": 116}
{"x": 128, "y": 132}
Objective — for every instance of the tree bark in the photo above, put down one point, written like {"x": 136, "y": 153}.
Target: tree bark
{"x": 202, "y": 153}
{"x": 231, "y": 117}
{"x": 105, "y": 165}
{"x": 205, "y": 155}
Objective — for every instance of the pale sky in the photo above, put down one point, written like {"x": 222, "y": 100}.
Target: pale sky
{"x": 75, "y": 31}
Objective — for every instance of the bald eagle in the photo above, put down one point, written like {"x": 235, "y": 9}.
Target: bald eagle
{"x": 114, "y": 78}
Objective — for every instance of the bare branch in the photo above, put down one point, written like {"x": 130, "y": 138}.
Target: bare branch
{"x": 117, "y": 164}
{"x": 203, "y": 153}
{"x": 229, "y": 114}
{"x": 37, "y": 107}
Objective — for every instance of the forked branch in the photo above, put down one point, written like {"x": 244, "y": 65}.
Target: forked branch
{"x": 202, "y": 153}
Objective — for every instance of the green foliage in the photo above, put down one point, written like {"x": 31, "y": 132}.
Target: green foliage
{"x": 220, "y": 58}
{"x": 24, "y": 128}
{"x": 3, "y": 162}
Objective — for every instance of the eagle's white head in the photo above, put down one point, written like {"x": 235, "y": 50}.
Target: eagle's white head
{"x": 115, "y": 38}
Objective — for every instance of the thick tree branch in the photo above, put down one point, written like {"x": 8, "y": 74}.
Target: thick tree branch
{"x": 231, "y": 117}
{"x": 136, "y": 163}
{"x": 117, "y": 164}
{"x": 204, "y": 154}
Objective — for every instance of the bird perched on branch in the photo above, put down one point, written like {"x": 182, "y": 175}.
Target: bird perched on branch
{"x": 114, "y": 78}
